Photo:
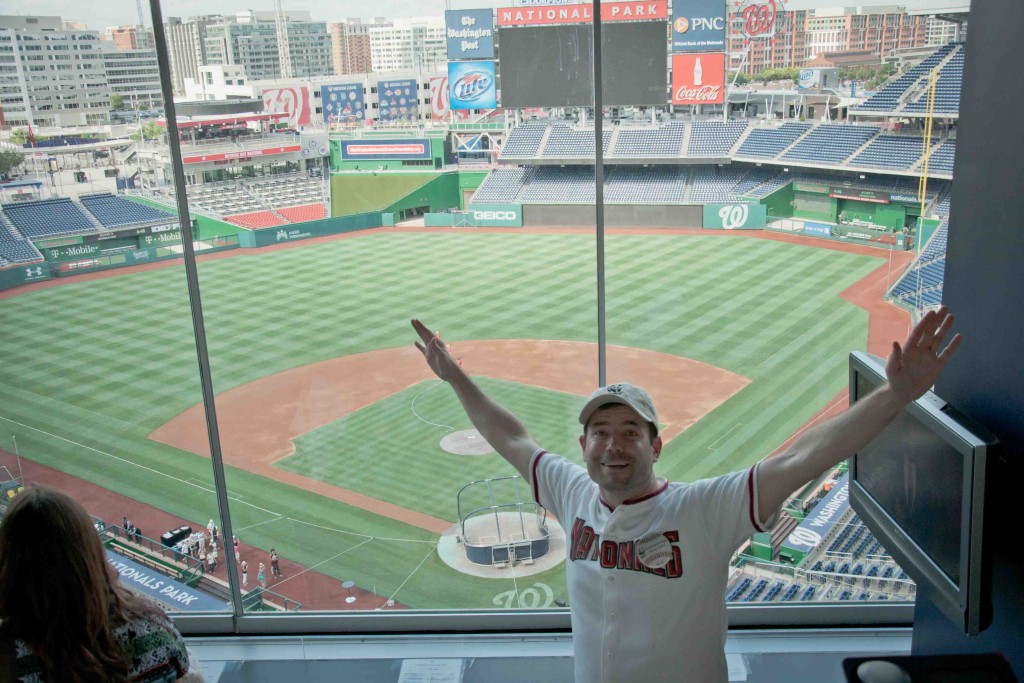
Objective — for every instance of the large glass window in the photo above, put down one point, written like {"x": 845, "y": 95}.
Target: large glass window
{"x": 713, "y": 223}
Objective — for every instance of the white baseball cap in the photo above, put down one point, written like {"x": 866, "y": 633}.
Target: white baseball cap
{"x": 624, "y": 393}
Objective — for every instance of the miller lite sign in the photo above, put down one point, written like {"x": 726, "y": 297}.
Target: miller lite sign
{"x": 698, "y": 78}
{"x": 471, "y": 85}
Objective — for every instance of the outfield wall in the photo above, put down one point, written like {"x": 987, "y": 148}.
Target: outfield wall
{"x": 301, "y": 231}
{"x": 615, "y": 215}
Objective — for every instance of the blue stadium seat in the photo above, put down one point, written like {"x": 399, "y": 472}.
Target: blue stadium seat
{"x": 113, "y": 211}
{"x": 48, "y": 217}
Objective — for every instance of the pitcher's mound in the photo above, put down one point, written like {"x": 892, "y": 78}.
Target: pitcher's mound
{"x": 466, "y": 442}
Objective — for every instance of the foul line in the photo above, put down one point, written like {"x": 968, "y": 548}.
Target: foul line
{"x": 244, "y": 528}
{"x": 817, "y": 419}
{"x": 715, "y": 442}
{"x": 412, "y": 407}
{"x": 425, "y": 557}
{"x": 131, "y": 462}
{"x": 359, "y": 535}
{"x": 309, "y": 569}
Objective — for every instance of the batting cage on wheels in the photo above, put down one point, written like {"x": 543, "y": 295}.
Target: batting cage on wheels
{"x": 497, "y": 527}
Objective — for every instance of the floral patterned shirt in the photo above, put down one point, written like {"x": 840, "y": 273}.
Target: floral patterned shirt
{"x": 156, "y": 649}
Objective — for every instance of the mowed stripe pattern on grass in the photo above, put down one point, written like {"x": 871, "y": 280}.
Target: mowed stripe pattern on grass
{"x": 102, "y": 363}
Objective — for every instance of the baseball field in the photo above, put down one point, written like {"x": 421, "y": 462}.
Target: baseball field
{"x": 330, "y": 423}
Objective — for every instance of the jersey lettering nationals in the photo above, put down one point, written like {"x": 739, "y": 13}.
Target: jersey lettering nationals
{"x": 586, "y": 545}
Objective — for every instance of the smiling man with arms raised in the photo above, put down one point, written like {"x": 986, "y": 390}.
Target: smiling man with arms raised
{"x": 647, "y": 559}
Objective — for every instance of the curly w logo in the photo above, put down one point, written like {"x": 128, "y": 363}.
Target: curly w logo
{"x": 734, "y": 216}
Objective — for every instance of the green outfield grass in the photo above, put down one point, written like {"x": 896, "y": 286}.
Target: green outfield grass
{"x": 88, "y": 369}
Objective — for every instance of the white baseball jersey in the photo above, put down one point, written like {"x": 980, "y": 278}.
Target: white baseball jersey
{"x": 631, "y": 622}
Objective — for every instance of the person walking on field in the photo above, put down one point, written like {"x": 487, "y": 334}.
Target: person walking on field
{"x": 647, "y": 559}
{"x": 275, "y": 566}
{"x": 261, "y": 577}
{"x": 245, "y": 573}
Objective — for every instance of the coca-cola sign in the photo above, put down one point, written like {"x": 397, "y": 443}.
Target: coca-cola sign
{"x": 759, "y": 19}
{"x": 698, "y": 78}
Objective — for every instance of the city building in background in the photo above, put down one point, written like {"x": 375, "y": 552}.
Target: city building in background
{"x": 796, "y": 36}
{"x": 416, "y": 43}
{"x": 350, "y": 44}
{"x": 186, "y": 42}
{"x": 133, "y": 73}
{"x": 129, "y": 37}
{"x": 51, "y": 76}
{"x": 250, "y": 39}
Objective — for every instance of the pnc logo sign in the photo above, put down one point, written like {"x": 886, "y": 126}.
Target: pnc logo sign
{"x": 472, "y": 85}
{"x": 682, "y": 24}
{"x": 734, "y": 216}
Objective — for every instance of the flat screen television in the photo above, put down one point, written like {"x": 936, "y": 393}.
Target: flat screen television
{"x": 919, "y": 486}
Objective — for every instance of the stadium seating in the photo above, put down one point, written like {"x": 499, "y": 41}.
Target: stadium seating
{"x": 830, "y": 143}
{"x": 666, "y": 141}
{"x": 891, "y": 151}
{"x": 113, "y": 211}
{"x": 569, "y": 142}
{"x": 256, "y": 220}
{"x": 756, "y": 591}
{"x": 947, "y": 88}
{"x": 921, "y": 285}
{"x": 553, "y": 185}
{"x": 715, "y": 184}
{"x": 791, "y": 592}
{"x": 941, "y": 158}
{"x": 638, "y": 184}
{"x": 714, "y": 138}
{"x": 293, "y": 189}
{"x": 14, "y": 248}
{"x": 49, "y": 217}
{"x": 524, "y": 140}
{"x": 502, "y": 185}
{"x": 306, "y": 212}
{"x": 891, "y": 97}
{"x": 768, "y": 143}
{"x": 738, "y": 589}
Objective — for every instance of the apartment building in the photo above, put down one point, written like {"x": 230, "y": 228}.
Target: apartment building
{"x": 413, "y": 43}
{"x": 350, "y": 44}
{"x": 50, "y": 76}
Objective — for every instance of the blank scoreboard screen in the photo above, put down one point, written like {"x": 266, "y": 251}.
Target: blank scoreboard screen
{"x": 552, "y": 66}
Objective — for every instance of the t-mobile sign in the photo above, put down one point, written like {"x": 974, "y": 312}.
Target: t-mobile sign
{"x": 698, "y": 78}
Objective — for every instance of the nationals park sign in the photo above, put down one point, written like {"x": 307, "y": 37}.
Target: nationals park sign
{"x": 582, "y": 13}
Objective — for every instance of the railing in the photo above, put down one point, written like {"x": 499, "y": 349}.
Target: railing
{"x": 142, "y": 547}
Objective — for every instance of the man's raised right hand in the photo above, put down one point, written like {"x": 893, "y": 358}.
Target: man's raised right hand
{"x": 433, "y": 349}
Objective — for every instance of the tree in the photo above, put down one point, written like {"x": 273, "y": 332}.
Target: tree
{"x": 9, "y": 160}
{"x": 150, "y": 131}
{"x": 19, "y": 136}
{"x": 116, "y": 101}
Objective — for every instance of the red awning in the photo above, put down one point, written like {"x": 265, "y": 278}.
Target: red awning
{"x": 198, "y": 122}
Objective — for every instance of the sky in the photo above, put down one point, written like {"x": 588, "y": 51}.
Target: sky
{"x": 100, "y": 15}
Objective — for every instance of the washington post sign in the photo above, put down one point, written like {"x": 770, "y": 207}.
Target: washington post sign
{"x": 698, "y": 26}
{"x": 469, "y": 34}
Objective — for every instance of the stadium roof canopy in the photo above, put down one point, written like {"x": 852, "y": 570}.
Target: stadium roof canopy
{"x": 199, "y": 121}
